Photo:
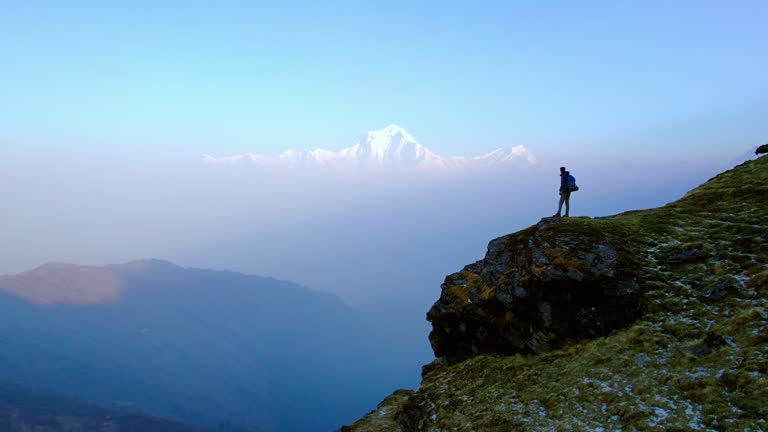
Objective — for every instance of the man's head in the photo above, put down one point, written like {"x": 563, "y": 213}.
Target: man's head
{"x": 562, "y": 170}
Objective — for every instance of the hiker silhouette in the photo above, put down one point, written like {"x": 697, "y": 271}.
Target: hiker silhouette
{"x": 567, "y": 185}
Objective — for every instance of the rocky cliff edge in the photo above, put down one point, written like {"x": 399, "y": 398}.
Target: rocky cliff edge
{"x": 648, "y": 320}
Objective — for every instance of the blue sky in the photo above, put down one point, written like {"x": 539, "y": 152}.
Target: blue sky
{"x": 106, "y": 110}
{"x": 174, "y": 79}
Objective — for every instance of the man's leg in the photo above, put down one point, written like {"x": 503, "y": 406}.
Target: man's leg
{"x": 567, "y": 197}
{"x": 560, "y": 205}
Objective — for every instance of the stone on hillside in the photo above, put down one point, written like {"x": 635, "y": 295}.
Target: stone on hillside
{"x": 710, "y": 343}
{"x": 536, "y": 290}
{"x": 681, "y": 255}
{"x": 762, "y": 149}
{"x": 721, "y": 288}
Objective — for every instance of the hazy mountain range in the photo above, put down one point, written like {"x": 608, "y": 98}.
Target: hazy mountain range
{"x": 198, "y": 346}
{"x": 391, "y": 146}
{"x": 26, "y": 409}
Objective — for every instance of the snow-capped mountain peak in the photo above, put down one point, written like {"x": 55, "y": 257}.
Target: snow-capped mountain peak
{"x": 392, "y": 130}
{"x": 390, "y": 146}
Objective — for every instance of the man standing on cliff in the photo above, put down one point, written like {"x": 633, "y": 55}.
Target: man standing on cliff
{"x": 565, "y": 193}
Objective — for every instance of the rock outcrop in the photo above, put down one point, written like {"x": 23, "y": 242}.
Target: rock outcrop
{"x": 762, "y": 149}
{"x": 536, "y": 290}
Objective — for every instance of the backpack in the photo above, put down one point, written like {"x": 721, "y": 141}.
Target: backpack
{"x": 572, "y": 184}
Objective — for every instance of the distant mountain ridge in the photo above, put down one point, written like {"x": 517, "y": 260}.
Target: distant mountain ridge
{"x": 63, "y": 283}
{"x": 198, "y": 346}
{"x": 56, "y": 283}
{"x": 391, "y": 146}
{"x": 24, "y": 409}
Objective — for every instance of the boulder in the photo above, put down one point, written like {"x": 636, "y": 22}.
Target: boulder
{"x": 536, "y": 290}
{"x": 682, "y": 254}
{"x": 721, "y": 288}
{"x": 762, "y": 149}
{"x": 711, "y": 342}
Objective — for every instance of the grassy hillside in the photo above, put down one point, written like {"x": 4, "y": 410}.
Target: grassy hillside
{"x": 697, "y": 359}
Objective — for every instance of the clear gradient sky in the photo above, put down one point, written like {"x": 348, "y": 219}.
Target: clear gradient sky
{"x": 175, "y": 79}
